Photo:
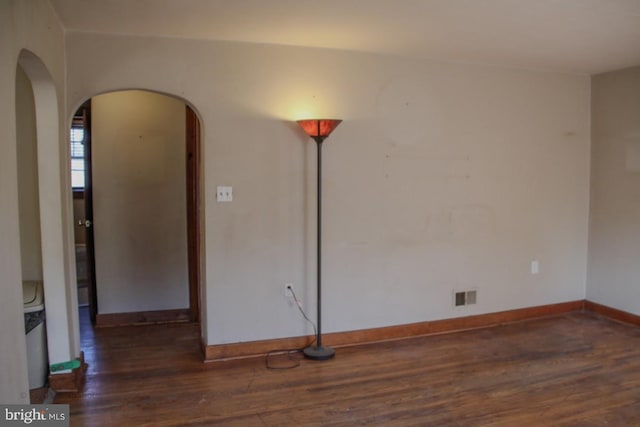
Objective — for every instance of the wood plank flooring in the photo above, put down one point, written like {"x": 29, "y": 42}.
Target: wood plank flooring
{"x": 573, "y": 370}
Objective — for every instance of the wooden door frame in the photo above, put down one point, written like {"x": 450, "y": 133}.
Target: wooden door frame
{"x": 83, "y": 114}
{"x": 193, "y": 188}
{"x": 193, "y": 165}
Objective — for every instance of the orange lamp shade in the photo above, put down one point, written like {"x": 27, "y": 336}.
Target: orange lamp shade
{"x": 319, "y": 128}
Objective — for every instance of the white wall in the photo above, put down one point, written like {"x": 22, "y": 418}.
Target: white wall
{"x": 34, "y": 26}
{"x": 442, "y": 176}
{"x": 614, "y": 238}
{"x": 28, "y": 198}
{"x": 139, "y": 202}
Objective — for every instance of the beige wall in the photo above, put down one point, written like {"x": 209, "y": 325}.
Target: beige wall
{"x": 614, "y": 239}
{"x": 29, "y": 205}
{"x": 139, "y": 202}
{"x": 442, "y": 177}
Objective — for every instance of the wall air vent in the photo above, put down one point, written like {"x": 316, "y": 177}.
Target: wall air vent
{"x": 465, "y": 298}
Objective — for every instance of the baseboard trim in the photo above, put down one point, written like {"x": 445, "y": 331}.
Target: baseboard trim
{"x": 243, "y": 350}
{"x": 612, "y": 313}
{"x": 142, "y": 318}
{"x": 366, "y": 336}
{"x": 69, "y": 382}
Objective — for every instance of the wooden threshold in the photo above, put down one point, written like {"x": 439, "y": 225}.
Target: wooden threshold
{"x": 143, "y": 317}
{"x": 388, "y": 333}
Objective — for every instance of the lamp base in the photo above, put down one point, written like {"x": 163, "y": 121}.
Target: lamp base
{"x": 319, "y": 353}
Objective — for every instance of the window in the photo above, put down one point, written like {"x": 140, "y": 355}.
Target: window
{"x": 77, "y": 157}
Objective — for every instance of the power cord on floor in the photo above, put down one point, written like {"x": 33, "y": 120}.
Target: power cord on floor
{"x": 294, "y": 361}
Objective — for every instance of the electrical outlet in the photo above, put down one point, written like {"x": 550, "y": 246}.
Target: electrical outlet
{"x": 288, "y": 290}
{"x": 535, "y": 266}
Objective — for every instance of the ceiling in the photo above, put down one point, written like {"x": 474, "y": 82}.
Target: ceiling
{"x": 579, "y": 36}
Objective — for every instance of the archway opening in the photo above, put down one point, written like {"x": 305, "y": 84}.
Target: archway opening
{"x": 44, "y": 257}
{"x": 30, "y": 236}
{"x": 136, "y": 208}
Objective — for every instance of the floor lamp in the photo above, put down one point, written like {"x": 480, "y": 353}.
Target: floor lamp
{"x": 319, "y": 130}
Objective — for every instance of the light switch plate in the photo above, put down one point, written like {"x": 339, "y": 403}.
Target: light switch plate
{"x": 224, "y": 194}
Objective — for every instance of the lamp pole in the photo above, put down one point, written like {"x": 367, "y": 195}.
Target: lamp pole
{"x": 319, "y": 240}
{"x": 319, "y": 130}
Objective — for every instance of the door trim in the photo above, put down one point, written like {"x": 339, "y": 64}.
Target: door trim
{"x": 83, "y": 116}
{"x": 193, "y": 162}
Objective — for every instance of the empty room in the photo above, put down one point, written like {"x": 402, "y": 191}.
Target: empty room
{"x": 339, "y": 212}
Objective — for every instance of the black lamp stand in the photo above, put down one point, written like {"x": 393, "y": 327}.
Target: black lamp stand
{"x": 317, "y": 351}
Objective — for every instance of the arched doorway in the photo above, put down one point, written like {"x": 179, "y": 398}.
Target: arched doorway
{"x": 30, "y": 235}
{"x": 47, "y": 258}
{"x": 141, "y": 201}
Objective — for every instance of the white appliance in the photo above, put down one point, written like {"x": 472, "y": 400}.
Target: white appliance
{"x": 35, "y": 328}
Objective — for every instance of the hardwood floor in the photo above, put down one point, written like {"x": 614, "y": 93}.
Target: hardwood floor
{"x": 573, "y": 370}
